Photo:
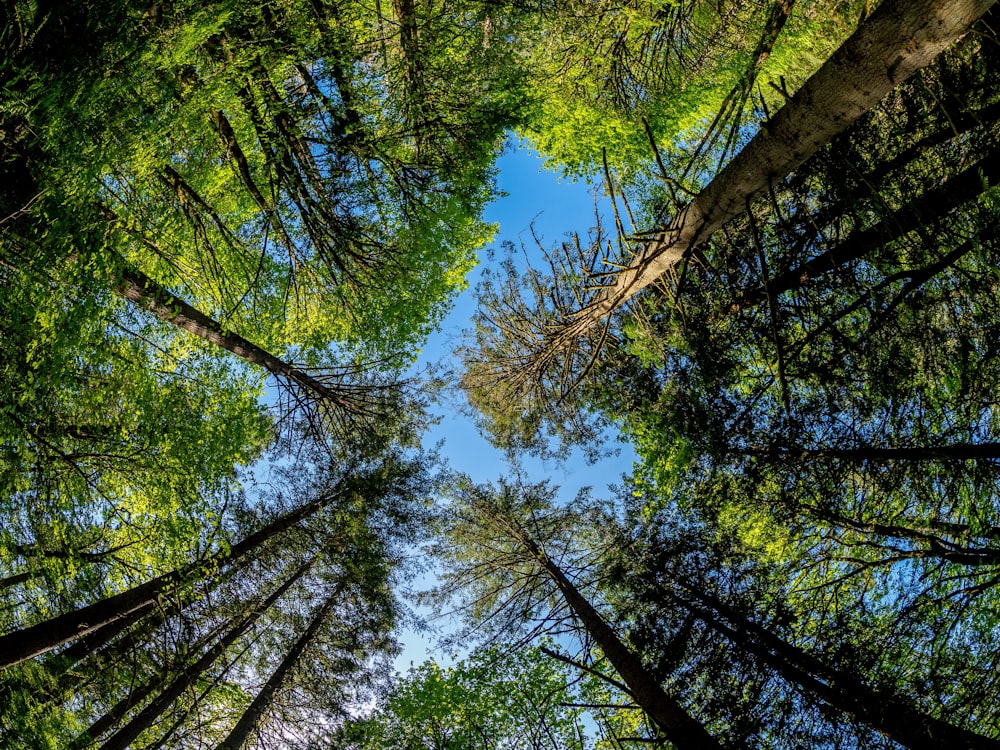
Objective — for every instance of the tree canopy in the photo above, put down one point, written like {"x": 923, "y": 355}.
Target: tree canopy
{"x": 227, "y": 230}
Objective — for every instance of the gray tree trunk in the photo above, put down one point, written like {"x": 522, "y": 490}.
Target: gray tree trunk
{"x": 898, "y": 39}
{"x": 141, "y": 290}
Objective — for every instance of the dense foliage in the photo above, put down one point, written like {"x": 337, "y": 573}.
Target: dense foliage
{"x": 226, "y": 230}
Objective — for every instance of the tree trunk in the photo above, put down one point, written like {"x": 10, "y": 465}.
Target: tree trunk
{"x": 883, "y": 712}
{"x": 114, "y": 715}
{"x": 50, "y": 634}
{"x": 953, "y": 452}
{"x": 16, "y": 579}
{"x": 932, "y": 205}
{"x": 141, "y": 290}
{"x": 121, "y": 739}
{"x": 934, "y": 544}
{"x": 685, "y": 732}
{"x": 240, "y": 735}
{"x": 898, "y": 39}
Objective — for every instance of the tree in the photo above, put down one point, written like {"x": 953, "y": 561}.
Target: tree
{"x": 685, "y": 575}
{"x": 347, "y": 401}
{"x": 883, "y": 712}
{"x": 487, "y": 521}
{"x": 255, "y": 161}
{"x": 131, "y": 604}
{"x": 107, "y": 439}
{"x": 252, "y": 716}
{"x": 498, "y": 555}
{"x": 601, "y": 71}
{"x": 492, "y": 698}
{"x": 889, "y": 46}
{"x": 188, "y": 675}
{"x": 894, "y": 42}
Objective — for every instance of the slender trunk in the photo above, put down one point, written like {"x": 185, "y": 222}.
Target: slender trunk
{"x": 104, "y": 650}
{"x": 248, "y": 722}
{"x": 932, "y": 205}
{"x": 685, "y": 732}
{"x": 954, "y": 126}
{"x": 121, "y": 739}
{"x": 911, "y": 528}
{"x": 898, "y": 39}
{"x": 953, "y": 452}
{"x": 883, "y": 712}
{"x": 35, "y": 550}
{"x": 18, "y": 578}
{"x": 409, "y": 47}
{"x": 235, "y": 153}
{"x": 935, "y": 545}
{"x": 735, "y": 102}
{"x": 149, "y": 295}
{"x": 114, "y": 715}
{"x": 50, "y": 634}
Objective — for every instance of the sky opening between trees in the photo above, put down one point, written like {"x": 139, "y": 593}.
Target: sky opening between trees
{"x": 227, "y": 230}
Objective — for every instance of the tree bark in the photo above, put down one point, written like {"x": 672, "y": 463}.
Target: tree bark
{"x": 50, "y": 634}
{"x": 883, "y": 712}
{"x": 898, "y": 39}
{"x": 932, "y": 539}
{"x": 248, "y": 722}
{"x": 115, "y": 714}
{"x": 932, "y": 205}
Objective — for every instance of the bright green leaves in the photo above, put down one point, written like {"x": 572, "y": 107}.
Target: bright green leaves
{"x": 112, "y": 448}
{"x": 601, "y": 71}
{"x": 274, "y": 168}
{"x": 506, "y": 699}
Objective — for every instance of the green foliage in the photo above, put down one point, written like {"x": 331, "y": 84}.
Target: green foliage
{"x": 508, "y": 699}
{"x": 601, "y": 70}
{"x": 812, "y": 396}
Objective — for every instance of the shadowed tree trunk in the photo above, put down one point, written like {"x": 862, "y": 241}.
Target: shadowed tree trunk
{"x": 953, "y": 452}
{"x": 883, "y": 712}
{"x": 50, "y": 634}
{"x": 239, "y": 737}
{"x": 121, "y": 739}
{"x": 141, "y": 290}
{"x": 684, "y": 731}
{"x": 934, "y": 204}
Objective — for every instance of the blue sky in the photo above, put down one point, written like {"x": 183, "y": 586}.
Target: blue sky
{"x": 556, "y": 207}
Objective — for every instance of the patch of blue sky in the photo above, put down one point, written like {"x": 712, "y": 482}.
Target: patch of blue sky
{"x": 540, "y": 203}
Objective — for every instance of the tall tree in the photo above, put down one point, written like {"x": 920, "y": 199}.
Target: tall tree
{"x": 188, "y": 674}
{"x": 129, "y": 605}
{"x": 490, "y": 521}
{"x": 890, "y": 45}
{"x": 556, "y": 344}
{"x": 350, "y": 401}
